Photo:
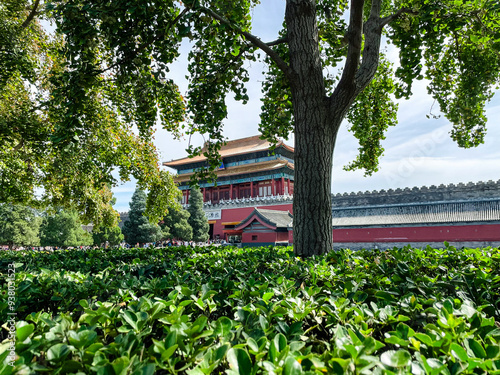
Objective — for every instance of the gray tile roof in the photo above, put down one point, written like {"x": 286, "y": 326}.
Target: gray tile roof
{"x": 430, "y": 213}
{"x": 281, "y": 219}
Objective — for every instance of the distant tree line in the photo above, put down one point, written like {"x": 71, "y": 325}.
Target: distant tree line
{"x": 178, "y": 223}
{"x": 25, "y": 226}
{"x": 22, "y": 226}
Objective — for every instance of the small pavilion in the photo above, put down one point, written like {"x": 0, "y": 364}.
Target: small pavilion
{"x": 265, "y": 227}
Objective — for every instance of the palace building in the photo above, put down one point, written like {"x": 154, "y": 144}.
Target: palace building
{"x": 251, "y": 175}
{"x": 251, "y": 203}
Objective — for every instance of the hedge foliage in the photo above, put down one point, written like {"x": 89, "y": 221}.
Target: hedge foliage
{"x": 215, "y": 310}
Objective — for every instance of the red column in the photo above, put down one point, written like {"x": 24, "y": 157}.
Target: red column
{"x": 273, "y": 187}
{"x": 203, "y": 191}
{"x": 288, "y": 184}
{"x": 251, "y": 189}
{"x": 282, "y": 187}
{"x": 231, "y": 191}
{"x": 187, "y": 196}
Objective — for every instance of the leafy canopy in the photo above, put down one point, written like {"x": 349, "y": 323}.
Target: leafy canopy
{"x": 106, "y": 70}
{"x": 111, "y": 236}
{"x": 66, "y": 131}
{"x": 125, "y": 48}
{"x": 175, "y": 225}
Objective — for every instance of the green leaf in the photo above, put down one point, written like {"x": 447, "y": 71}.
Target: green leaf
{"x": 277, "y": 348}
{"x": 168, "y": 352}
{"x": 264, "y": 324}
{"x": 458, "y": 352}
{"x": 171, "y": 339}
{"x": 475, "y": 349}
{"x": 223, "y": 327}
{"x": 384, "y": 296}
{"x": 131, "y": 318}
{"x": 492, "y": 351}
{"x": 57, "y": 352}
{"x": 280, "y": 341}
{"x": 221, "y": 351}
{"x": 403, "y": 318}
{"x": 149, "y": 369}
{"x": 252, "y": 345}
{"x": 71, "y": 366}
{"x": 426, "y": 339}
{"x": 239, "y": 361}
{"x": 120, "y": 365}
{"x": 82, "y": 339}
{"x": 235, "y": 50}
{"x": 267, "y": 296}
{"x": 400, "y": 358}
{"x": 292, "y": 367}
{"x": 404, "y": 331}
{"x": 23, "y": 330}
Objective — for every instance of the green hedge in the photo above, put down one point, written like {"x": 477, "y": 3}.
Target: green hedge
{"x": 257, "y": 310}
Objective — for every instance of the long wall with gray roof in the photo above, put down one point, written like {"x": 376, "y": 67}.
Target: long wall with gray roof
{"x": 451, "y": 205}
{"x": 451, "y": 192}
{"x": 444, "y": 205}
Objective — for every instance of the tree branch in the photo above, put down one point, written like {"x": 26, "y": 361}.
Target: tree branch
{"x": 371, "y": 50}
{"x": 278, "y": 41}
{"x": 386, "y": 20}
{"x": 475, "y": 14}
{"x": 32, "y": 14}
{"x": 373, "y": 35}
{"x": 19, "y": 145}
{"x": 252, "y": 39}
{"x": 354, "y": 37}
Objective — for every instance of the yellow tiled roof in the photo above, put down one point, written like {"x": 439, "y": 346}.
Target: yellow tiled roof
{"x": 235, "y": 147}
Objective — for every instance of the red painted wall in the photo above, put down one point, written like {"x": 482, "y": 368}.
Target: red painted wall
{"x": 267, "y": 237}
{"x": 282, "y": 236}
{"x": 483, "y": 232}
{"x": 477, "y": 232}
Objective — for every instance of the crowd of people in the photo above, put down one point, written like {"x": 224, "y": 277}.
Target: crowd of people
{"x": 174, "y": 242}
{"x": 160, "y": 244}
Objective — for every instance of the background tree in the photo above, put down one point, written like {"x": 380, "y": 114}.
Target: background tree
{"x": 69, "y": 159}
{"x": 19, "y": 226}
{"x": 138, "y": 229}
{"x": 197, "y": 218}
{"x": 327, "y": 64}
{"x": 111, "y": 236}
{"x": 108, "y": 234}
{"x": 63, "y": 228}
{"x": 176, "y": 225}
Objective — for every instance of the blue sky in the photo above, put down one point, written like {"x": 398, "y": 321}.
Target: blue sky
{"x": 418, "y": 151}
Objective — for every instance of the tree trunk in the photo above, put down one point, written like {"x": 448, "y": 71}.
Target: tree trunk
{"x": 315, "y": 134}
{"x": 312, "y": 208}
{"x": 318, "y": 117}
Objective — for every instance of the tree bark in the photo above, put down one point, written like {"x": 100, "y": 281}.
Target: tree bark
{"x": 318, "y": 117}
{"x": 312, "y": 208}
{"x": 314, "y": 134}
{"x": 32, "y": 15}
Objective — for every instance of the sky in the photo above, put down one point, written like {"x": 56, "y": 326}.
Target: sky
{"x": 418, "y": 151}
